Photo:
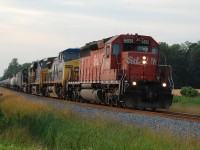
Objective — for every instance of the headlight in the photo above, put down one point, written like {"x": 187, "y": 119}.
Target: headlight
{"x": 144, "y": 62}
{"x": 164, "y": 84}
{"x": 134, "y": 83}
{"x": 144, "y": 57}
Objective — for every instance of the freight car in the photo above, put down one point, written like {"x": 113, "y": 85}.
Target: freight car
{"x": 122, "y": 70}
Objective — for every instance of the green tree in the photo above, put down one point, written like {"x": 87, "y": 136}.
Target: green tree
{"x": 13, "y": 68}
{"x": 184, "y": 59}
{"x": 194, "y": 67}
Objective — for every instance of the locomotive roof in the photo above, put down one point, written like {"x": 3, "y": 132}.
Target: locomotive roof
{"x": 94, "y": 44}
{"x": 112, "y": 39}
{"x": 136, "y": 35}
{"x": 48, "y": 60}
{"x": 77, "y": 50}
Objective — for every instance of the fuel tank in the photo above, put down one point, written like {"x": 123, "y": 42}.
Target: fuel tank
{"x": 92, "y": 95}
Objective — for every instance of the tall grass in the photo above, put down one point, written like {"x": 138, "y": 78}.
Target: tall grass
{"x": 186, "y": 104}
{"x": 191, "y": 109}
{"x": 40, "y": 125}
{"x": 187, "y": 100}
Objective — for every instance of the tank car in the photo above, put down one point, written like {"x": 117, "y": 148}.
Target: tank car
{"x": 13, "y": 83}
{"x": 2, "y": 83}
{"x": 61, "y": 70}
{"x": 7, "y": 82}
{"x": 124, "y": 70}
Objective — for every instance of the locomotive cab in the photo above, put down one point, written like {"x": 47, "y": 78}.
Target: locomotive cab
{"x": 135, "y": 61}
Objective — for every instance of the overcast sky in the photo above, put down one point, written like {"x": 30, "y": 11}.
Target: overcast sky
{"x": 34, "y": 29}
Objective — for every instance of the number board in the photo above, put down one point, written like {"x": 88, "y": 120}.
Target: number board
{"x": 144, "y": 41}
{"x": 128, "y": 41}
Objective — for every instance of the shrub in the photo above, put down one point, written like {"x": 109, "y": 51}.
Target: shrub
{"x": 189, "y": 91}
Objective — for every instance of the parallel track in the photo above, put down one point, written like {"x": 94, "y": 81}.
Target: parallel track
{"x": 182, "y": 116}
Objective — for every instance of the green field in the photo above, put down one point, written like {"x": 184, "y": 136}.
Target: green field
{"x": 30, "y": 125}
{"x": 186, "y": 104}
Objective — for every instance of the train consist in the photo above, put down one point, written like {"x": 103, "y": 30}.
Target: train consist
{"x": 122, "y": 70}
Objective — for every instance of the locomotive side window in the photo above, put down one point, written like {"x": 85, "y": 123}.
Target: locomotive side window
{"x": 128, "y": 44}
{"x": 142, "y": 48}
{"x": 43, "y": 64}
{"x": 128, "y": 47}
{"x": 155, "y": 50}
{"x": 71, "y": 56}
{"x": 107, "y": 50}
{"x": 116, "y": 49}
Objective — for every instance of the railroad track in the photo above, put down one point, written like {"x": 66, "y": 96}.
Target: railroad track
{"x": 182, "y": 116}
{"x": 158, "y": 113}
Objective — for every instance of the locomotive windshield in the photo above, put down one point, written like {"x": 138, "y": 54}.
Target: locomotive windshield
{"x": 155, "y": 50}
{"x": 138, "y": 45}
{"x": 71, "y": 56}
{"x": 43, "y": 64}
{"x": 128, "y": 47}
{"x": 132, "y": 47}
{"x": 142, "y": 48}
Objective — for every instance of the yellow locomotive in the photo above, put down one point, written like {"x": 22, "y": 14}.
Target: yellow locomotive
{"x": 60, "y": 70}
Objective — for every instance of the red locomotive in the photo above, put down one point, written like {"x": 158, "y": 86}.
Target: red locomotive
{"x": 123, "y": 70}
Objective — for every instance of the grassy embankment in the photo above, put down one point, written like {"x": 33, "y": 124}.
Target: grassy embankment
{"x": 185, "y": 104}
{"x": 31, "y": 125}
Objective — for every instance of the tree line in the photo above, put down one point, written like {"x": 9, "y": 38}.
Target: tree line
{"x": 184, "y": 59}
{"x": 13, "y": 68}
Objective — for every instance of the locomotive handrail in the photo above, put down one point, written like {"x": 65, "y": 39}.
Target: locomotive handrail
{"x": 164, "y": 58}
{"x": 171, "y": 83}
{"x": 170, "y": 78}
{"x": 117, "y": 64}
{"x": 122, "y": 82}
